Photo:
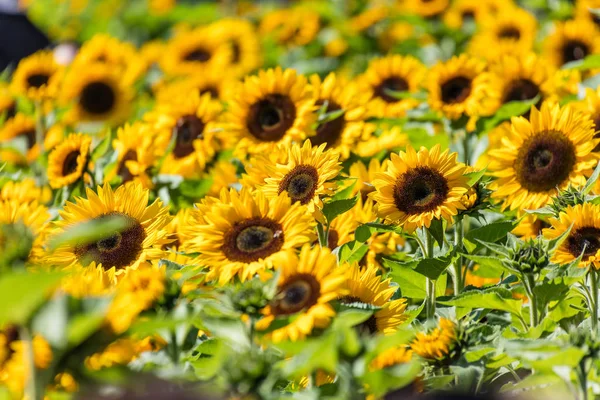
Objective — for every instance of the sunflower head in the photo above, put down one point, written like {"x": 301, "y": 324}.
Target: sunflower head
{"x": 37, "y": 76}
{"x": 419, "y": 187}
{"x": 245, "y": 49}
{"x": 550, "y": 150}
{"x": 437, "y": 344}
{"x": 572, "y": 40}
{"x": 391, "y": 357}
{"x": 68, "y": 161}
{"x": 308, "y": 282}
{"x": 292, "y": 27}
{"x": 426, "y": 8}
{"x": 273, "y": 107}
{"x": 137, "y": 153}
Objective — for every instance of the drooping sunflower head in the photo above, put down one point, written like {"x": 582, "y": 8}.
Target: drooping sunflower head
{"x": 68, "y": 161}
{"x": 292, "y": 27}
{"x": 192, "y": 50}
{"x": 425, "y": 8}
{"x": 550, "y": 150}
{"x": 274, "y": 106}
{"x": 366, "y": 286}
{"x": 241, "y": 36}
{"x": 135, "y": 232}
{"x": 308, "y": 282}
{"x": 583, "y": 220}
{"x": 436, "y": 344}
{"x": 510, "y": 31}
{"x": 96, "y": 92}
{"x": 572, "y": 40}
{"x": 306, "y": 177}
{"x": 137, "y": 153}
{"x": 460, "y": 86}
{"x": 242, "y": 234}
{"x": 334, "y": 95}
{"x": 387, "y": 76}
{"x": 37, "y": 76}
{"x": 419, "y": 187}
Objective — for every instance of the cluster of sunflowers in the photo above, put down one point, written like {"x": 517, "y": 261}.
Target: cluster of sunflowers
{"x": 352, "y": 199}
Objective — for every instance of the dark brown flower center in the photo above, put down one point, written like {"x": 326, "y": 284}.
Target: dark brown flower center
{"x": 300, "y": 183}
{"x": 419, "y": 190}
{"x": 119, "y": 249}
{"x": 545, "y": 161}
{"x": 521, "y": 90}
{"x": 253, "y": 239}
{"x": 333, "y": 239}
{"x": 331, "y": 131}
{"x": 197, "y": 55}
{"x": 70, "y": 163}
{"x": 392, "y": 84}
{"x": 97, "y": 98}
{"x": 123, "y": 171}
{"x": 509, "y": 32}
{"x": 574, "y": 50}
{"x": 468, "y": 15}
{"x": 539, "y": 225}
{"x": 236, "y": 52}
{"x": 29, "y": 137}
{"x": 270, "y": 118}
{"x": 37, "y": 80}
{"x": 584, "y": 240}
{"x": 456, "y": 90}
{"x": 187, "y": 129}
{"x": 212, "y": 90}
{"x": 301, "y": 291}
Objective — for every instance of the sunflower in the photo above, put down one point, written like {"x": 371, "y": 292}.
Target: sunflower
{"x": 244, "y": 42}
{"x": 243, "y": 233}
{"x": 376, "y": 140}
{"x": 8, "y": 105}
{"x": 33, "y": 216}
{"x": 212, "y": 81}
{"x": 436, "y": 344}
{"x": 123, "y": 351}
{"x": 583, "y": 223}
{"x": 582, "y": 10}
{"x": 365, "y": 286}
{"x": 390, "y": 357}
{"x": 510, "y": 31}
{"x": 18, "y": 140}
{"x": 425, "y": 8}
{"x": 293, "y": 27}
{"x": 224, "y": 175}
{"x": 108, "y": 50}
{"x": 37, "y": 76}
{"x": 553, "y": 149}
{"x": 273, "y": 107}
{"x": 136, "y": 153}
{"x": 591, "y": 105}
{"x": 530, "y": 227}
{"x": 385, "y": 77}
{"x": 68, "y": 161}
{"x": 96, "y": 92}
{"x": 335, "y": 95}
{"x": 419, "y": 187}
{"x": 191, "y": 123}
{"x": 25, "y": 190}
{"x": 140, "y": 240}
{"x": 572, "y": 40}
{"x": 306, "y": 177}
{"x": 460, "y": 86}
{"x": 92, "y": 280}
{"x": 364, "y": 175}
{"x": 465, "y": 11}
{"x": 307, "y": 284}
{"x": 259, "y": 166}
{"x": 522, "y": 78}
{"x": 191, "y": 51}
{"x": 341, "y": 229}
{"x": 368, "y": 18}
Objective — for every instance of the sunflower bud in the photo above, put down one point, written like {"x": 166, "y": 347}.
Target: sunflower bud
{"x": 245, "y": 372}
{"x": 15, "y": 244}
{"x": 528, "y": 257}
{"x": 250, "y": 297}
{"x": 567, "y": 198}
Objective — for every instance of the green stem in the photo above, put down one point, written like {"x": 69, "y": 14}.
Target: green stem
{"x": 458, "y": 265}
{"x": 466, "y": 149}
{"x": 594, "y": 300}
{"x": 430, "y": 288}
{"x": 533, "y": 309}
{"x": 30, "y": 384}
{"x": 582, "y": 375}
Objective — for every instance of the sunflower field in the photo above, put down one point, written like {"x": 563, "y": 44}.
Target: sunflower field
{"x": 344, "y": 199}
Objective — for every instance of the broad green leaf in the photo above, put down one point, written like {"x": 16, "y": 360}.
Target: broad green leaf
{"x": 505, "y": 113}
{"x": 538, "y": 380}
{"x": 589, "y": 185}
{"x": 489, "y": 267}
{"x": 22, "y": 293}
{"x": 477, "y": 353}
{"x": 491, "y": 299}
{"x": 488, "y": 233}
{"x": 412, "y": 283}
{"x": 363, "y": 233}
{"x": 82, "y": 327}
{"x": 590, "y": 62}
{"x": 195, "y": 189}
{"x": 337, "y": 207}
{"x": 102, "y": 147}
{"x": 347, "y": 191}
{"x": 352, "y": 251}
{"x": 210, "y": 357}
{"x": 475, "y": 176}
{"x": 351, "y": 317}
{"x": 432, "y": 268}
{"x": 436, "y": 229}
{"x": 320, "y": 353}
{"x": 392, "y": 378}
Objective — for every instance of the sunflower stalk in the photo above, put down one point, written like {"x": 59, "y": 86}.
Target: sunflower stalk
{"x": 458, "y": 244}
{"x": 30, "y": 377}
{"x": 430, "y": 288}
{"x": 39, "y": 137}
{"x": 529, "y": 284}
{"x": 593, "y": 278}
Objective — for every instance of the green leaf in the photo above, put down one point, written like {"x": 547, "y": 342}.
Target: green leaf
{"x": 589, "y": 185}
{"x": 320, "y": 353}
{"x": 89, "y": 231}
{"x": 432, "y": 268}
{"x": 103, "y": 147}
{"x": 488, "y": 233}
{"x": 351, "y": 317}
{"x": 210, "y": 357}
{"x": 21, "y": 294}
{"x": 436, "y": 229}
{"x": 492, "y": 299}
{"x": 337, "y": 207}
{"x": 412, "y": 283}
{"x": 352, "y": 251}
{"x": 489, "y": 267}
{"x": 475, "y": 176}
{"x": 82, "y": 327}
{"x": 347, "y": 191}
{"x": 363, "y": 233}
{"x": 590, "y": 62}
{"x": 505, "y": 113}
{"x": 197, "y": 188}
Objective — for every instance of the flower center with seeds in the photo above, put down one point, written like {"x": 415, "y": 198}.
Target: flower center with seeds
{"x": 270, "y": 118}
{"x": 521, "y": 90}
{"x": 97, "y": 98}
{"x": 117, "y": 250}
{"x": 545, "y": 161}
{"x": 420, "y": 190}
{"x": 197, "y": 55}
{"x": 456, "y": 90}
{"x": 301, "y": 291}
{"x": 574, "y": 50}
{"x": 509, "y": 32}
{"x": 37, "y": 80}
{"x": 331, "y": 131}
{"x": 70, "y": 163}
{"x": 584, "y": 240}
{"x": 300, "y": 183}
{"x": 392, "y": 84}
{"x": 253, "y": 239}
{"x": 187, "y": 129}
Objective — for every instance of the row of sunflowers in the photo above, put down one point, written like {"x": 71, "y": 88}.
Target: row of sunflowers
{"x": 308, "y": 199}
